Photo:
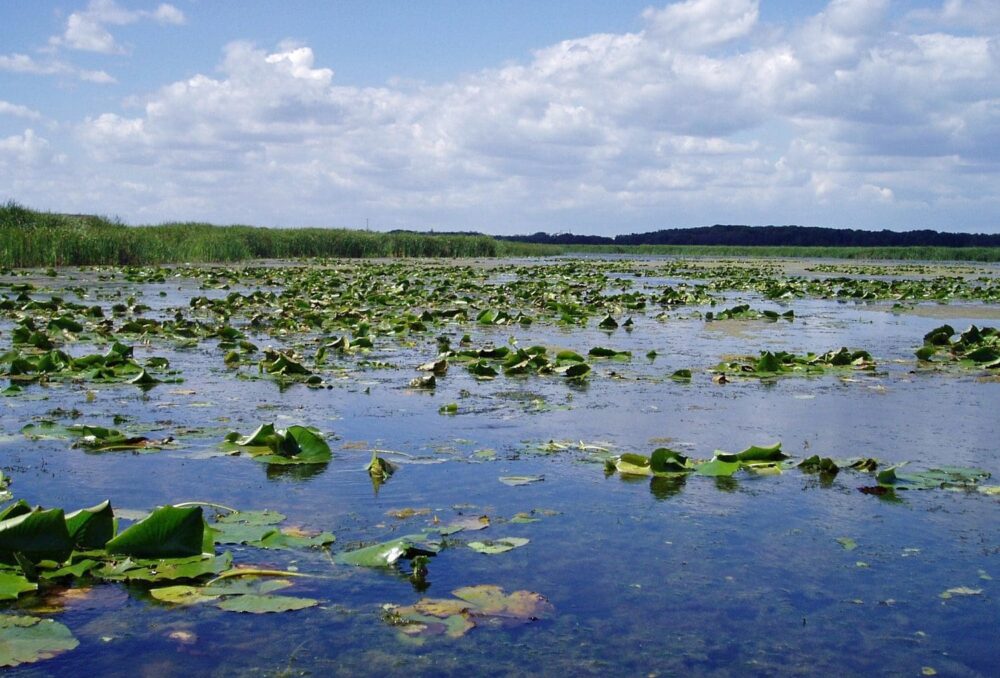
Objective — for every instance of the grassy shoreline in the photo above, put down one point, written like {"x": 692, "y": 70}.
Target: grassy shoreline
{"x": 32, "y": 238}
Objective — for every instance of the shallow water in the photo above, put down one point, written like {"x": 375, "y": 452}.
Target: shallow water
{"x": 698, "y": 575}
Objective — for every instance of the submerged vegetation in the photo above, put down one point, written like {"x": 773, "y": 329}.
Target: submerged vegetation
{"x": 33, "y": 238}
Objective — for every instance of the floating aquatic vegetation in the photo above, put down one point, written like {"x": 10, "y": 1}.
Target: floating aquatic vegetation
{"x": 975, "y": 347}
{"x": 387, "y": 553}
{"x": 95, "y": 438}
{"x": 955, "y": 477}
{"x": 744, "y": 312}
{"x": 472, "y": 606}
{"x": 291, "y": 445}
{"x": 499, "y": 545}
{"x": 781, "y": 363}
{"x": 116, "y": 365}
{"x": 25, "y": 639}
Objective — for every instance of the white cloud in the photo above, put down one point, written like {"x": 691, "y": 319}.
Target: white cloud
{"x": 22, "y": 63}
{"x": 18, "y": 111}
{"x": 87, "y": 30}
{"x": 23, "y": 149}
{"x": 698, "y": 24}
{"x": 702, "y": 116}
{"x": 168, "y": 14}
{"x": 974, "y": 14}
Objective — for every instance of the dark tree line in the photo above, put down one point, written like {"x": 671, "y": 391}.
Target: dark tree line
{"x": 803, "y": 236}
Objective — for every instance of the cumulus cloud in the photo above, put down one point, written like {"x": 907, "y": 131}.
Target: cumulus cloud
{"x": 701, "y": 115}
{"x": 87, "y": 29}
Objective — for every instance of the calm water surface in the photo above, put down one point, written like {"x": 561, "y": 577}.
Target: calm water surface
{"x": 697, "y": 576}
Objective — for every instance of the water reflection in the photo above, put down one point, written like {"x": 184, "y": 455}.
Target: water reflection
{"x": 726, "y": 484}
{"x": 665, "y": 487}
{"x": 295, "y": 472}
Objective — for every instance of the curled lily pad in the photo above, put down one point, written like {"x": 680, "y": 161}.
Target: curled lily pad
{"x": 816, "y": 464}
{"x": 665, "y": 460}
{"x": 34, "y": 536}
{"x": 379, "y": 468}
{"x": 91, "y": 528}
{"x": 754, "y": 454}
{"x": 168, "y": 532}
{"x": 294, "y": 445}
{"x": 428, "y": 382}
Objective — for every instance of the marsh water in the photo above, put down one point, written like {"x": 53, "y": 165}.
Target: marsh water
{"x": 778, "y": 573}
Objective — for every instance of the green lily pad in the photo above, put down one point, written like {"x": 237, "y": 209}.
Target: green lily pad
{"x": 25, "y": 640}
{"x": 91, "y": 528}
{"x": 294, "y": 445}
{"x": 289, "y": 539}
{"x": 181, "y": 595}
{"x": 168, "y": 532}
{"x": 717, "y": 468}
{"x": 263, "y": 604}
{"x": 495, "y": 546}
{"x": 12, "y": 585}
{"x": 265, "y": 517}
{"x": 36, "y": 535}
{"x": 754, "y": 454}
{"x": 387, "y": 553}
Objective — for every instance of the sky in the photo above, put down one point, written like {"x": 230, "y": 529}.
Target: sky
{"x": 581, "y": 116}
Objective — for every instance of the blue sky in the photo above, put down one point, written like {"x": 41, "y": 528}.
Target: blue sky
{"x": 565, "y": 115}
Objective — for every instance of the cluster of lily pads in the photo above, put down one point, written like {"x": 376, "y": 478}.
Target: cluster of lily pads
{"x": 744, "y": 312}
{"x": 975, "y": 347}
{"x": 116, "y": 365}
{"x": 664, "y": 462}
{"x": 782, "y": 363}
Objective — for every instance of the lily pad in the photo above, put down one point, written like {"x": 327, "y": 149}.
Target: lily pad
{"x": 387, "y": 553}
{"x": 168, "y": 532}
{"x": 24, "y": 640}
{"x": 495, "y": 546}
{"x": 717, "y": 468}
{"x": 515, "y": 481}
{"x": 262, "y": 604}
{"x": 12, "y": 585}
{"x": 472, "y": 606}
{"x": 294, "y": 445}
{"x": 36, "y": 535}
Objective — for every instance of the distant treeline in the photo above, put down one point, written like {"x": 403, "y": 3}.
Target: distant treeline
{"x": 772, "y": 236}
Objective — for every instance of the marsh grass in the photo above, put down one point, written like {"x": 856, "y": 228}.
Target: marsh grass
{"x": 32, "y": 238}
